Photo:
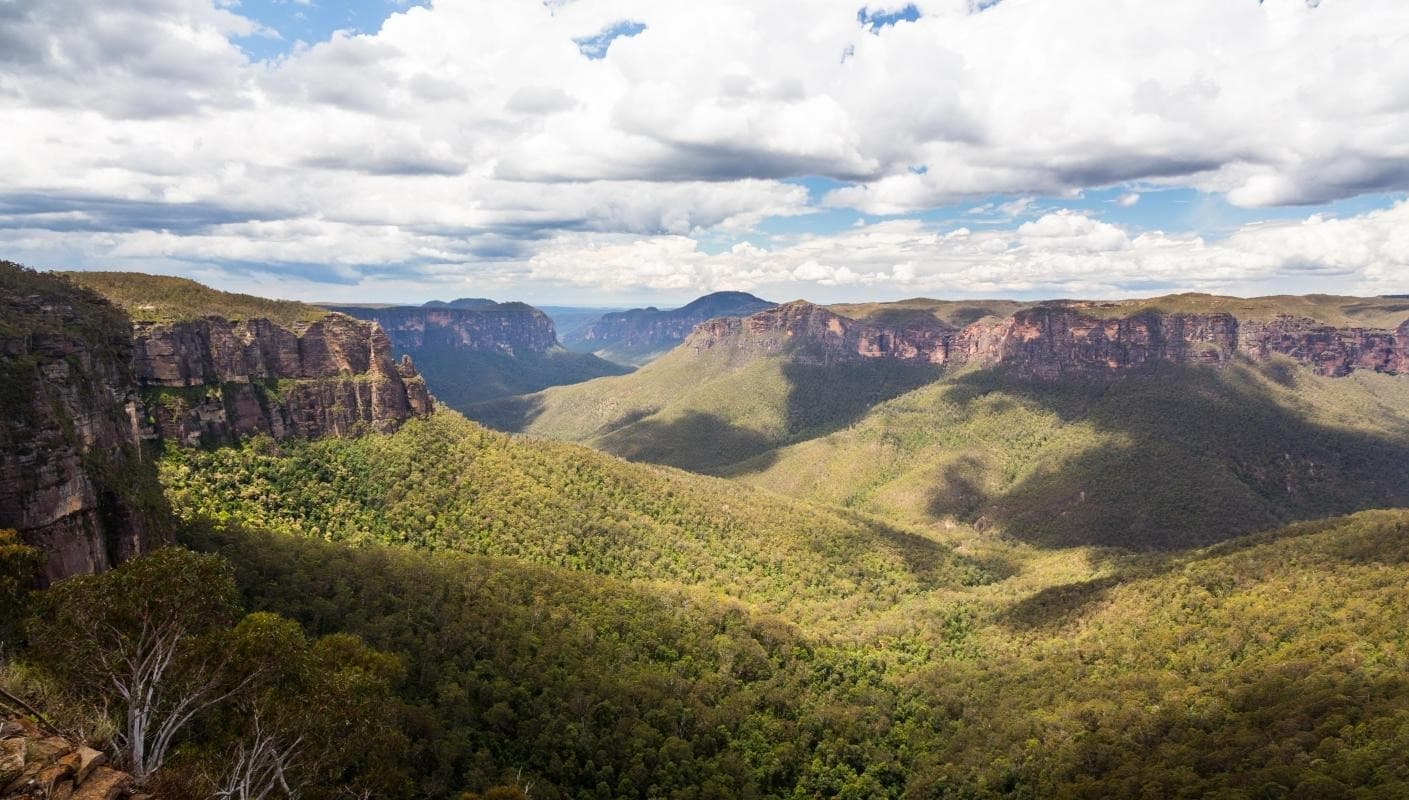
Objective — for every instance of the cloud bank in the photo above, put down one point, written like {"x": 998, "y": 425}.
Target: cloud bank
{"x": 496, "y": 140}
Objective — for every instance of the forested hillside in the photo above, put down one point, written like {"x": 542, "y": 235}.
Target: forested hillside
{"x": 1166, "y": 458}
{"x": 445, "y": 483}
{"x": 1085, "y": 423}
{"x": 704, "y": 412}
{"x": 1271, "y": 667}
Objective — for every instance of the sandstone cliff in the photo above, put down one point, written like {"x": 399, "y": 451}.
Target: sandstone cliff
{"x": 212, "y": 380}
{"x": 473, "y": 350}
{"x": 72, "y": 478}
{"x": 82, "y": 387}
{"x": 813, "y": 335}
{"x": 1053, "y": 339}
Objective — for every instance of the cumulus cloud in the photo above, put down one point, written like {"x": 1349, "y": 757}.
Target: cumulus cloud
{"x": 480, "y": 133}
{"x": 1062, "y": 253}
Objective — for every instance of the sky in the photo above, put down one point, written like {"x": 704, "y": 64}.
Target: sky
{"x": 623, "y": 152}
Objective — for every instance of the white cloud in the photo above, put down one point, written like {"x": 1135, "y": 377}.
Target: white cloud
{"x": 1063, "y": 253}
{"x": 477, "y": 133}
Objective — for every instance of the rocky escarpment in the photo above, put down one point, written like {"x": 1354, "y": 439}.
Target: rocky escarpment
{"x": 1050, "y": 340}
{"x": 479, "y": 327}
{"x": 213, "y": 380}
{"x": 72, "y": 477}
{"x": 635, "y": 336}
{"x": 812, "y": 334}
{"x": 82, "y": 388}
{"x": 1328, "y": 350}
{"x": 36, "y": 765}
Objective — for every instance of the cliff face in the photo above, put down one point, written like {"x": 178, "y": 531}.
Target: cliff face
{"x": 813, "y": 335}
{"x": 1047, "y": 341}
{"x": 210, "y": 380}
{"x": 1329, "y": 350}
{"x": 636, "y": 335}
{"x": 509, "y": 328}
{"x": 81, "y": 387}
{"x": 72, "y": 479}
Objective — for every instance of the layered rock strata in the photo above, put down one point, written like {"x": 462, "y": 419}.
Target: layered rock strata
{"x": 509, "y": 328}
{"x": 1051, "y": 340}
{"x": 212, "y": 381}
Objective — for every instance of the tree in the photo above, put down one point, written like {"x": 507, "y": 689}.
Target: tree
{"x": 304, "y": 726}
{"x": 18, "y": 563}
{"x": 147, "y": 636}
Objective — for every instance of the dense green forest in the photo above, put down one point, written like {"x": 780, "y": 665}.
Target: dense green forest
{"x": 447, "y": 483}
{"x": 1267, "y": 667}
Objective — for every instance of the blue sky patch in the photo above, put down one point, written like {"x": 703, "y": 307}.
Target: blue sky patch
{"x": 875, "y": 20}
{"x": 311, "y": 22}
{"x": 595, "y": 46}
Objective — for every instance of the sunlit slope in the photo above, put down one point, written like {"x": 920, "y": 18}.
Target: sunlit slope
{"x": 705, "y": 411}
{"x": 447, "y": 483}
{"x": 1154, "y": 458}
{"x": 1272, "y": 666}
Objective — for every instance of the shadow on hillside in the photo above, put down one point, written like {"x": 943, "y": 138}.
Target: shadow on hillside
{"x": 1193, "y": 456}
{"x": 1058, "y": 606}
{"x": 933, "y": 564}
{"x": 1379, "y": 538}
{"x": 509, "y": 414}
{"x": 819, "y": 399}
{"x": 472, "y": 382}
{"x": 695, "y": 441}
{"x": 822, "y": 399}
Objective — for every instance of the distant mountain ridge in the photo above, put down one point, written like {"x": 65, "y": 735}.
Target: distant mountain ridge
{"x": 640, "y": 334}
{"x": 463, "y": 302}
{"x": 473, "y": 349}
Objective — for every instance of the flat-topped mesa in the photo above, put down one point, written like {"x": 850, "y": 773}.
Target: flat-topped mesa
{"x": 487, "y": 327}
{"x": 212, "y": 380}
{"x": 1053, "y": 339}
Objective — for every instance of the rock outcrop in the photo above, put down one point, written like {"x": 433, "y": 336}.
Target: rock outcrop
{"x": 1054, "y": 339}
{"x": 211, "y": 380}
{"x": 82, "y": 388}
{"x": 36, "y": 765}
{"x": 636, "y": 335}
{"x": 72, "y": 477}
